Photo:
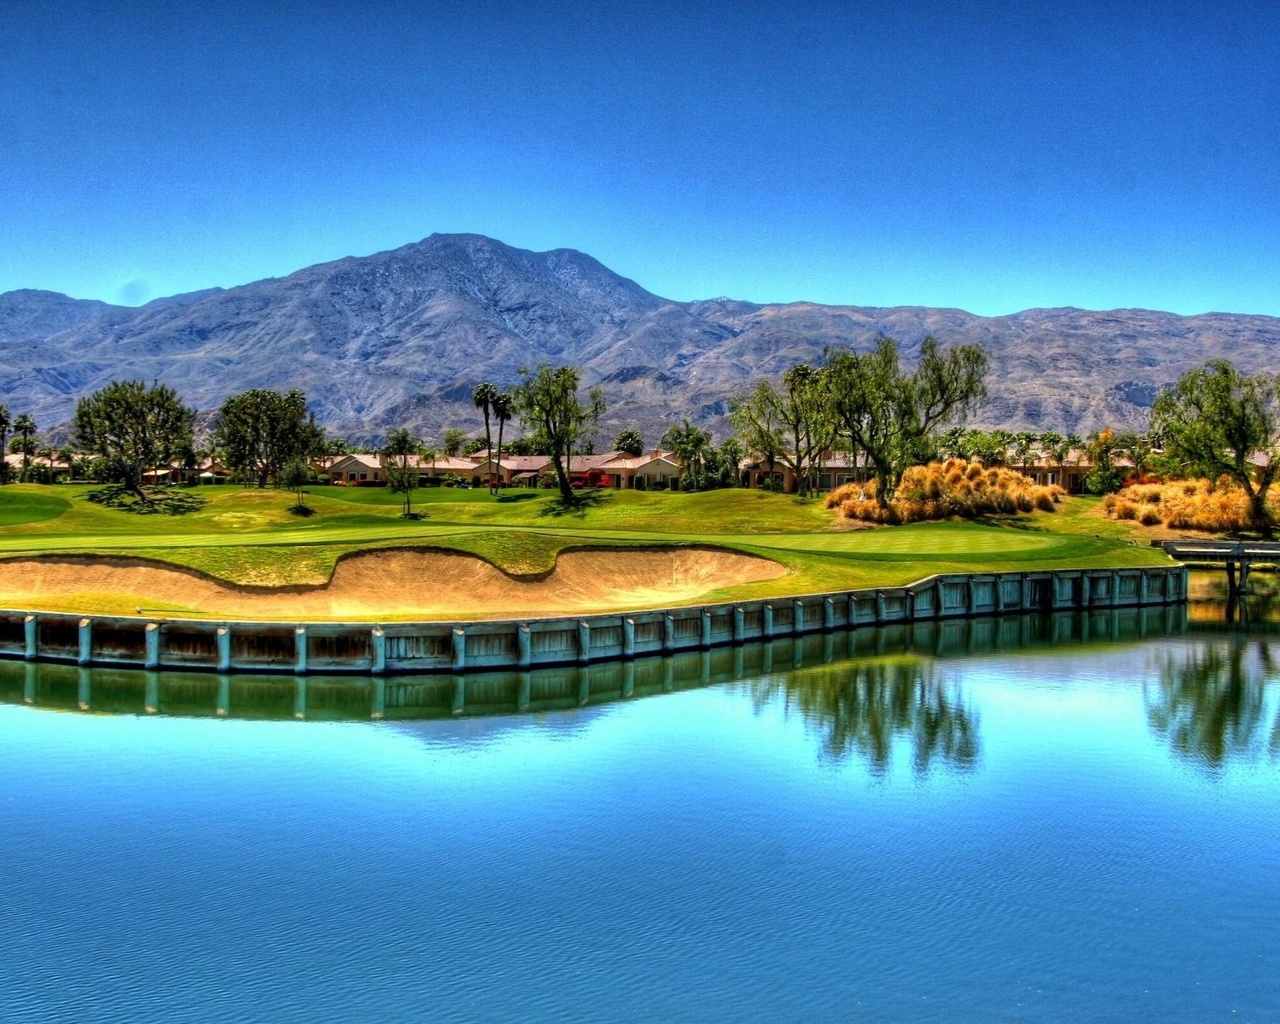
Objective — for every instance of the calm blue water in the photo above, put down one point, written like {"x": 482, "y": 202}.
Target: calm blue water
{"x": 1077, "y": 833}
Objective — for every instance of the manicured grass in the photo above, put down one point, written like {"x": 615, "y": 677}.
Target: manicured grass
{"x": 249, "y": 536}
{"x": 23, "y": 505}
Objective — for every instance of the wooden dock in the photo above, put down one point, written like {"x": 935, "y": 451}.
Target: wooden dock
{"x": 1239, "y": 557}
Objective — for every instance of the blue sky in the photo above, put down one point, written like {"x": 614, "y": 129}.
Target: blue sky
{"x": 990, "y": 156}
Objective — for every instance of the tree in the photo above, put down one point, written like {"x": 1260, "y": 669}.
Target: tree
{"x": 953, "y": 443}
{"x": 754, "y": 417}
{"x": 1056, "y": 447}
{"x": 1103, "y": 478}
{"x": 630, "y": 442}
{"x": 5, "y": 424}
{"x": 260, "y": 430}
{"x": 131, "y": 427}
{"x": 452, "y": 441}
{"x": 889, "y": 415}
{"x": 1024, "y": 445}
{"x": 729, "y": 458}
{"x": 503, "y": 410}
{"x": 25, "y": 427}
{"x": 547, "y": 400}
{"x": 482, "y": 395}
{"x": 805, "y": 411}
{"x": 295, "y": 475}
{"x": 690, "y": 445}
{"x": 1137, "y": 449}
{"x": 1216, "y": 421}
{"x": 402, "y": 477}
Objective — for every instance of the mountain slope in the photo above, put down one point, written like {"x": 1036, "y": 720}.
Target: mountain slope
{"x": 400, "y": 337}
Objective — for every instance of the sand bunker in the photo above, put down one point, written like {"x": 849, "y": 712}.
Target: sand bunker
{"x": 386, "y": 584}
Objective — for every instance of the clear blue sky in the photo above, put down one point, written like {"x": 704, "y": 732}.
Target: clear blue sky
{"x": 991, "y": 156}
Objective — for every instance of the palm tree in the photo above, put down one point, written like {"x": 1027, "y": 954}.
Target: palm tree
{"x": 5, "y": 422}
{"x": 503, "y": 408}
{"x": 483, "y": 395}
{"x": 1056, "y": 447}
{"x": 1024, "y": 443}
{"x": 24, "y": 426}
{"x": 689, "y": 444}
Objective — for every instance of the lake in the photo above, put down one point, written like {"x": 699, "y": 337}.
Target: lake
{"x": 1029, "y": 819}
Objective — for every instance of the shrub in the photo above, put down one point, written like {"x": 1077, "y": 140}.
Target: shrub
{"x": 1215, "y": 506}
{"x": 944, "y": 490}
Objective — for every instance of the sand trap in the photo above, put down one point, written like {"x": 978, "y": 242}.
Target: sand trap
{"x": 386, "y": 584}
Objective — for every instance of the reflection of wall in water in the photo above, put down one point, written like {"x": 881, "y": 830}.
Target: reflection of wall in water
{"x": 133, "y": 691}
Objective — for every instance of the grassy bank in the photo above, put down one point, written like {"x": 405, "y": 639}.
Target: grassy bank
{"x": 251, "y": 537}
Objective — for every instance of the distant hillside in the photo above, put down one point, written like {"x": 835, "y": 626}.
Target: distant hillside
{"x": 399, "y": 339}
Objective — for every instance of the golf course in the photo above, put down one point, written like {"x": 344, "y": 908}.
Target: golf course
{"x": 222, "y": 550}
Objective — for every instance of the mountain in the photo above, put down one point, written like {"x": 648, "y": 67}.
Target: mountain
{"x": 399, "y": 339}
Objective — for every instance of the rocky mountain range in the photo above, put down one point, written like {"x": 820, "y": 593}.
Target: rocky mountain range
{"x": 399, "y": 339}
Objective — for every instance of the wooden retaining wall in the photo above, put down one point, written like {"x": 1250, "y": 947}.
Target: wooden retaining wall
{"x": 459, "y": 647}
{"x": 510, "y": 691}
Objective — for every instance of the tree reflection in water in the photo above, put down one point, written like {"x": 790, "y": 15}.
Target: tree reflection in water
{"x": 1212, "y": 703}
{"x": 865, "y": 707}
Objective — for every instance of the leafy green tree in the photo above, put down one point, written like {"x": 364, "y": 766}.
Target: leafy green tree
{"x": 1104, "y": 477}
{"x": 1216, "y": 421}
{"x": 1136, "y": 448}
{"x": 259, "y": 431}
{"x": 804, "y": 409}
{"x": 889, "y": 415}
{"x": 952, "y": 443}
{"x": 547, "y": 400}
{"x": 452, "y": 441}
{"x": 630, "y": 442}
{"x": 5, "y": 423}
{"x": 295, "y": 475}
{"x": 399, "y": 456}
{"x": 504, "y": 404}
{"x": 130, "y": 427}
{"x": 754, "y": 418}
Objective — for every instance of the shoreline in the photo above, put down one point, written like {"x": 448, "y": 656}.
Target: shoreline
{"x": 371, "y": 646}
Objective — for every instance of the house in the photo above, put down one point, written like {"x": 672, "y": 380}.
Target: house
{"x": 447, "y": 468}
{"x": 43, "y": 468}
{"x": 358, "y": 470}
{"x": 655, "y": 471}
{"x": 514, "y": 470}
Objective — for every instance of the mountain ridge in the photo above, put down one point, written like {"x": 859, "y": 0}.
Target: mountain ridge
{"x": 398, "y": 338}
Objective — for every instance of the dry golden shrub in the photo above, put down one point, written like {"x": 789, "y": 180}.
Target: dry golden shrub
{"x": 1219, "y": 506}
{"x": 943, "y": 490}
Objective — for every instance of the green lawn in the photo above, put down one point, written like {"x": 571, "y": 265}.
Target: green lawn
{"x": 250, "y": 536}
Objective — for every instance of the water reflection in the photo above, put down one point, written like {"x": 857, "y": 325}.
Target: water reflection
{"x": 855, "y": 684}
{"x": 1214, "y": 703}
{"x": 863, "y": 708}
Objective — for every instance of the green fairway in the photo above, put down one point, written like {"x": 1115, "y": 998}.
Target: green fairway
{"x": 250, "y": 536}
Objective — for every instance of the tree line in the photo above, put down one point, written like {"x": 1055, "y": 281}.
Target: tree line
{"x": 1214, "y": 421}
